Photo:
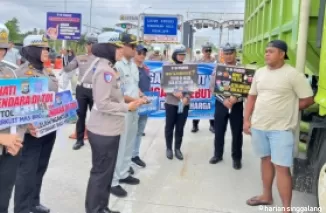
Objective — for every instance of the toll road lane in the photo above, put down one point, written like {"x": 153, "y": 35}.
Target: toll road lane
{"x": 189, "y": 186}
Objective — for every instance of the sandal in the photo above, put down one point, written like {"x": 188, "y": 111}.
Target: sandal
{"x": 255, "y": 201}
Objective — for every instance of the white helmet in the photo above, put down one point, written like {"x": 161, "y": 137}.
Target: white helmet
{"x": 110, "y": 37}
{"x": 157, "y": 49}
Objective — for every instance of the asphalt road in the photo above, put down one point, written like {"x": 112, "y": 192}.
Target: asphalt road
{"x": 188, "y": 186}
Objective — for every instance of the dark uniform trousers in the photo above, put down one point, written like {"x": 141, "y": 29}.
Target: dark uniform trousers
{"x": 173, "y": 119}
{"x": 104, "y": 157}
{"x": 222, "y": 116}
{"x": 84, "y": 98}
{"x": 8, "y": 170}
{"x": 34, "y": 162}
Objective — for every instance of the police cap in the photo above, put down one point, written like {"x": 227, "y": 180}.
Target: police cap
{"x": 110, "y": 38}
{"x": 228, "y": 48}
{"x": 4, "y": 36}
{"x": 127, "y": 38}
{"x": 180, "y": 49}
{"x": 36, "y": 41}
{"x": 91, "y": 38}
{"x": 207, "y": 45}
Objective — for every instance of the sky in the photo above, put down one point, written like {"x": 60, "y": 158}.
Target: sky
{"x": 106, "y": 13}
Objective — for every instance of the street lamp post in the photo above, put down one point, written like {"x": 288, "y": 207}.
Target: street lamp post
{"x": 90, "y": 16}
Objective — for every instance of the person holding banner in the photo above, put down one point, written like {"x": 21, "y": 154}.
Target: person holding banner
{"x": 106, "y": 122}
{"x": 176, "y": 108}
{"x": 10, "y": 138}
{"x": 207, "y": 58}
{"x": 84, "y": 97}
{"x": 228, "y": 108}
{"x": 36, "y": 152}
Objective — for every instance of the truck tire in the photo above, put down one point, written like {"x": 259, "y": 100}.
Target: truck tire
{"x": 321, "y": 175}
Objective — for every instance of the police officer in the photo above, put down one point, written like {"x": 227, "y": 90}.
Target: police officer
{"x": 106, "y": 122}
{"x": 228, "y": 108}
{"x": 129, "y": 75}
{"x": 10, "y": 138}
{"x": 84, "y": 97}
{"x": 175, "y": 119}
{"x": 36, "y": 151}
{"x": 206, "y": 58}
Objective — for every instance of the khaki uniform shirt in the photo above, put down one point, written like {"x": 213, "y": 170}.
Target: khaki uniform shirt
{"x": 83, "y": 62}
{"x": 108, "y": 113}
{"x": 21, "y": 129}
{"x": 129, "y": 75}
{"x": 202, "y": 60}
{"x": 278, "y": 93}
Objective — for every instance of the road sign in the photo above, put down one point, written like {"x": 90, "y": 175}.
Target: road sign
{"x": 63, "y": 26}
{"x": 126, "y": 17}
{"x": 160, "y": 28}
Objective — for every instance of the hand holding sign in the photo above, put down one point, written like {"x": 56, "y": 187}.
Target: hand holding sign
{"x": 32, "y": 129}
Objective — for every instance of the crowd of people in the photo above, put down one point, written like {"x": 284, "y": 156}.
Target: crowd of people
{"x": 112, "y": 81}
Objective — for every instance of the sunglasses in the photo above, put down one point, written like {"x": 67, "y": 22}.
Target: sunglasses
{"x": 142, "y": 53}
{"x": 208, "y": 50}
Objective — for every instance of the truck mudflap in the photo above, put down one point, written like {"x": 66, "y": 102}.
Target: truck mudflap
{"x": 305, "y": 175}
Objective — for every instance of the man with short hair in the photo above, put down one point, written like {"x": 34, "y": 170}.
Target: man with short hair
{"x": 206, "y": 58}
{"x": 277, "y": 93}
{"x": 129, "y": 76}
{"x": 144, "y": 86}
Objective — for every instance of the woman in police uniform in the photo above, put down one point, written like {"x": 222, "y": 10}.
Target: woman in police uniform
{"x": 174, "y": 118}
{"x": 106, "y": 122}
{"x": 10, "y": 142}
{"x": 36, "y": 151}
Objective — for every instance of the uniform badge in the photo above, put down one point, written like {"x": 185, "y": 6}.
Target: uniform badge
{"x": 29, "y": 73}
{"x": 108, "y": 77}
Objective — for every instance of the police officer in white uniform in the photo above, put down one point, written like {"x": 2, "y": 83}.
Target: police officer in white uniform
{"x": 106, "y": 122}
{"x": 228, "y": 108}
{"x": 129, "y": 75}
{"x": 206, "y": 58}
{"x": 84, "y": 97}
{"x": 10, "y": 138}
{"x": 36, "y": 151}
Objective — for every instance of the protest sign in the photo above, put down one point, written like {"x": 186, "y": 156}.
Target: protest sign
{"x": 202, "y": 104}
{"x": 233, "y": 81}
{"x": 180, "y": 77}
{"x": 61, "y": 112}
{"x": 151, "y": 107}
{"x": 23, "y": 100}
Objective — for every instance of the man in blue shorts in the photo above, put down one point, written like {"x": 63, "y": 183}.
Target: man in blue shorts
{"x": 277, "y": 93}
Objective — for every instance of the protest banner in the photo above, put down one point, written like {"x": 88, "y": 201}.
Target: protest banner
{"x": 202, "y": 104}
{"x": 233, "y": 80}
{"x": 23, "y": 100}
{"x": 153, "y": 106}
{"x": 61, "y": 112}
{"x": 179, "y": 77}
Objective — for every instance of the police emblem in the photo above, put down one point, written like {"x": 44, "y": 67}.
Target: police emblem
{"x": 3, "y": 36}
{"x": 108, "y": 77}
